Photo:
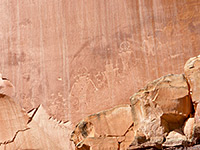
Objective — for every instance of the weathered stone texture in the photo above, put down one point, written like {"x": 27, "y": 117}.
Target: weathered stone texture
{"x": 162, "y": 106}
{"x": 108, "y": 129}
{"x": 175, "y": 138}
{"x": 162, "y": 115}
{"x": 188, "y": 128}
{"x": 36, "y": 131}
{"x": 192, "y": 72}
{"x": 78, "y": 58}
{"x": 12, "y": 120}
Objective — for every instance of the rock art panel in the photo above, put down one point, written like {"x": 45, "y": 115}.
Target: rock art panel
{"x": 123, "y": 45}
{"x": 163, "y": 115}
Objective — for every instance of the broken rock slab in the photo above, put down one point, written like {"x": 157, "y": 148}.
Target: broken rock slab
{"x": 12, "y": 120}
{"x": 175, "y": 138}
{"x": 56, "y": 131}
{"x": 91, "y": 143}
{"x": 196, "y": 126}
{"x": 188, "y": 128}
{"x": 37, "y": 131}
{"x": 109, "y": 127}
{"x": 192, "y": 73}
{"x": 162, "y": 106}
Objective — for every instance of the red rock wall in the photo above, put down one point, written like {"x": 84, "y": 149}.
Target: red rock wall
{"x": 78, "y": 57}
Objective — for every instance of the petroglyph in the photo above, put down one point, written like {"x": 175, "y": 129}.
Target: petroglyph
{"x": 125, "y": 54}
{"x": 81, "y": 89}
{"x": 149, "y": 45}
{"x": 101, "y": 79}
{"x": 110, "y": 74}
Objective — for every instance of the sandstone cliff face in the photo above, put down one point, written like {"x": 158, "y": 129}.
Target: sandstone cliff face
{"x": 19, "y": 130}
{"x": 78, "y": 58}
{"x": 162, "y": 106}
{"x": 164, "y": 115}
{"x": 13, "y": 120}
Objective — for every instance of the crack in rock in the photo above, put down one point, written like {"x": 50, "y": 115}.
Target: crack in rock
{"x": 14, "y": 137}
{"x": 35, "y": 111}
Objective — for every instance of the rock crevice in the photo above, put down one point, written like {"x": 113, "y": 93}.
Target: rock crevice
{"x": 14, "y": 137}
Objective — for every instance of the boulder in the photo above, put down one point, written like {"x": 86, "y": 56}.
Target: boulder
{"x": 188, "y": 128}
{"x": 175, "y": 138}
{"x": 13, "y": 120}
{"x": 107, "y": 129}
{"x": 196, "y": 128}
{"x": 19, "y": 130}
{"x": 162, "y": 106}
{"x": 192, "y": 73}
{"x": 56, "y": 131}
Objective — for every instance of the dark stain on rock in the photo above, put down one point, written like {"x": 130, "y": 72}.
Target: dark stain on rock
{"x": 83, "y": 127}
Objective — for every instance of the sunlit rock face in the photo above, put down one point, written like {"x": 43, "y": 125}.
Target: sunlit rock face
{"x": 12, "y": 120}
{"x": 109, "y": 129}
{"x": 78, "y": 58}
{"x": 161, "y": 107}
{"x": 75, "y": 58}
{"x": 192, "y": 71}
{"x": 35, "y": 130}
{"x": 162, "y": 115}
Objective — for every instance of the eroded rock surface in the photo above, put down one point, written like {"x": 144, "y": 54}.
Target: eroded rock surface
{"x": 78, "y": 58}
{"x": 6, "y": 87}
{"x": 12, "y": 120}
{"x": 192, "y": 72}
{"x": 175, "y": 138}
{"x": 188, "y": 128}
{"x": 58, "y": 132}
{"x": 162, "y": 116}
{"x": 18, "y": 130}
{"x": 109, "y": 129}
{"x": 165, "y": 114}
{"x": 162, "y": 106}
